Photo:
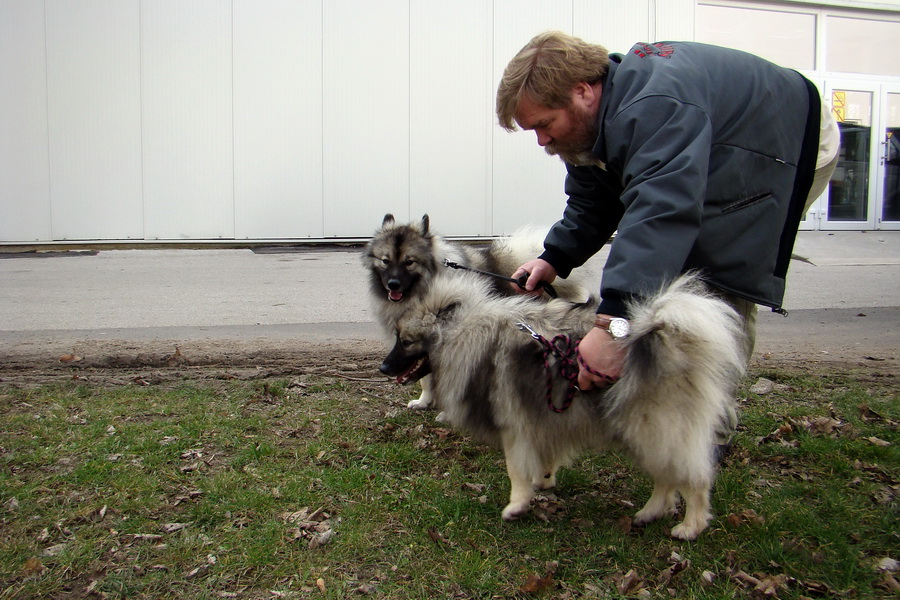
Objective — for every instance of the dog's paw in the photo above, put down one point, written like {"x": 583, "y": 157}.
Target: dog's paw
{"x": 419, "y": 404}
{"x": 684, "y": 531}
{"x": 515, "y": 510}
{"x": 648, "y": 515}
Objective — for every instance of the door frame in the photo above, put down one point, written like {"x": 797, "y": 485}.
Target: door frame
{"x": 817, "y": 216}
{"x": 886, "y": 89}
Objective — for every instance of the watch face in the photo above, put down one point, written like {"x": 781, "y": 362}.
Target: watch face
{"x": 619, "y": 328}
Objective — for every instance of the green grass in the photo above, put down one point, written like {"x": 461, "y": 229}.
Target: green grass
{"x": 98, "y": 475}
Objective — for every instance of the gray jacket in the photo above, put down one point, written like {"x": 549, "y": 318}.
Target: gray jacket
{"x": 709, "y": 154}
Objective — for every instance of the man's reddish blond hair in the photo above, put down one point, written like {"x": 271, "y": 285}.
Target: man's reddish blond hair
{"x": 546, "y": 70}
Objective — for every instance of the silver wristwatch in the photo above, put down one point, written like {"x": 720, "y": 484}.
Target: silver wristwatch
{"x": 617, "y": 327}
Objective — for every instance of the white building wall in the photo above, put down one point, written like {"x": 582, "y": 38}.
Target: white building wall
{"x": 278, "y": 130}
{"x": 280, "y": 119}
{"x": 24, "y": 146}
{"x": 94, "y": 119}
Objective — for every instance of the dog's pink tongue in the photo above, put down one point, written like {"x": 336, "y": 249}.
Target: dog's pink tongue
{"x": 395, "y": 296}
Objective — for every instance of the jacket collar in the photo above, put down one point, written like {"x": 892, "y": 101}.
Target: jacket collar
{"x": 599, "y": 149}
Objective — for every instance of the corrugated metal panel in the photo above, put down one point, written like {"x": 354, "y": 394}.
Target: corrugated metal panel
{"x": 24, "y": 162}
{"x": 282, "y": 119}
{"x": 527, "y": 184}
{"x": 93, "y": 81}
{"x": 366, "y": 116}
{"x": 615, "y": 24}
{"x": 187, "y": 119}
{"x": 674, "y": 20}
{"x": 450, "y": 107}
{"x": 277, "y": 119}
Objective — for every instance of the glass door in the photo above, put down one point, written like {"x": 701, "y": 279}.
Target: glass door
{"x": 848, "y": 202}
{"x": 889, "y": 202}
{"x": 864, "y": 192}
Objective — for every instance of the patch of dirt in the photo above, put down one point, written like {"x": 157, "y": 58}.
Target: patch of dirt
{"x": 147, "y": 363}
{"x": 118, "y": 363}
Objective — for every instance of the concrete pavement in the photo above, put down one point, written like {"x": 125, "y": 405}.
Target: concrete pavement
{"x": 319, "y": 293}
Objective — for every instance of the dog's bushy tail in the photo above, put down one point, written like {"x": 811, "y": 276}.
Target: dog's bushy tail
{"x": 685, "y": 329}
{"x": 684, "y": 360}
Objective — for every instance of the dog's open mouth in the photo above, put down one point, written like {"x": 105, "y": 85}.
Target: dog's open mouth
{"x": 417, "y": 371}
{"x": 395, "y": 295}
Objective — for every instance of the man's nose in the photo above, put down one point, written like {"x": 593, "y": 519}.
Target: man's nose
{"x": 543, "y": 139}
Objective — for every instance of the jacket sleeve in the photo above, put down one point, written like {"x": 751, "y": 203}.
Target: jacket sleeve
{"x": 661, "y": 147}
{"x": 591, "y": 216}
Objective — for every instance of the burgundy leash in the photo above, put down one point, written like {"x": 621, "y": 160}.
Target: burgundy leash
{"x": 566, "y": 353}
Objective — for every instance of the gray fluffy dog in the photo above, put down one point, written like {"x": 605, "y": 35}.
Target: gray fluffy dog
{"x": 684, "y": 359}
{"x": 404, "y": 259}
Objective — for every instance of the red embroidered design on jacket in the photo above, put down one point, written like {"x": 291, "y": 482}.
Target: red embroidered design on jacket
{"x": 661, "y": 50}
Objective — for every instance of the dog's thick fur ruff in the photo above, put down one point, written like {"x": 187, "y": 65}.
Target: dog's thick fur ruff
{"x": 403, "y": 260}
{"x": 683, "y": 362}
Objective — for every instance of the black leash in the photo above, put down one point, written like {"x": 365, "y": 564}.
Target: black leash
{"x": 520, "y": 281}
{"x": 566, "y": 353}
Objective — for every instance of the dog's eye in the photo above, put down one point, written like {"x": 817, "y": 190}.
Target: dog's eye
{"x": 386, "y": 261}
{"x": 410, "y": 262}
{"x": 406, "y": 343}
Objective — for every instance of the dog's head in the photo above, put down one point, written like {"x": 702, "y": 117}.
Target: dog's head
{"x": 399, "y": 256}
{"x": 417, "y": 335}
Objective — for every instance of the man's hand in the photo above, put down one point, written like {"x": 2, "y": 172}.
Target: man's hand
{"x": 603, "y": 355}
{"x": 537, "y": 270}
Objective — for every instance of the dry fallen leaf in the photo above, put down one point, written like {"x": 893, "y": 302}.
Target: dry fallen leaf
{"x": 535, "y": 585}
{"x": 666, "y": 575}
{"x": 436, "y": 536}
{"x": 365, "y": 589}
{"x": 33, "y": 566}
{"x": 745, "y": 516}
{"x": 624, "y": 524}
{"x": 878, "y": 441}
{"x": 762, "y": 386}
{"x": 891, "y": 583}
{"x": 628, "y": 584}
{"x": 175, "y": 359}
{"x": 67, "y": 358}
{"x": 321, "y": 539}
{"x": 888, "y": 564}
{"x": 54, "y": 550}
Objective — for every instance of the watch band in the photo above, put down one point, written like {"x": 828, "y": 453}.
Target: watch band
{"x": 618, "y": 327}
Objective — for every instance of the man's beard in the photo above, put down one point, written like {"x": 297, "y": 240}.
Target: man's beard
{"x": 577, "y": 149}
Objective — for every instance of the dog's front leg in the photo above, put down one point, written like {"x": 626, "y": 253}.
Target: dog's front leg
{"x": 519, "y": 461}
{"x": 696, "y": 513}
{"x": 663, "y": 502}
{"x": 424, "y": 401}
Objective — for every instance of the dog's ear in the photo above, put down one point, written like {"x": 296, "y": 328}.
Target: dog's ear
{"x": 388, "y": 220}
{"x": 447, "y": 312}
{"x": 425, "y": 223}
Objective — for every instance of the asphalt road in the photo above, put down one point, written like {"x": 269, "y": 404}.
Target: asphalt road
{"x": 843, "y": 297}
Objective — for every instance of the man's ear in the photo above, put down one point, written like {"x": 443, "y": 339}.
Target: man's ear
{"x": 584, "y": 94}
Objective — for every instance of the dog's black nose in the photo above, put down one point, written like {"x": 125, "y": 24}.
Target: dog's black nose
{"x": 385, "y": 369}
{"x": 393, "y": 284}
